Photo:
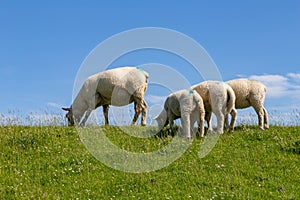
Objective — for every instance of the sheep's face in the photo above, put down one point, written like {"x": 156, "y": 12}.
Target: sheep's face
{"x": 69, "y": 116}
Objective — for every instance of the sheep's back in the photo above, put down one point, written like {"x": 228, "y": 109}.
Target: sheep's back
{"x": 129, "y": 79}
{"x": 245, "y": 90}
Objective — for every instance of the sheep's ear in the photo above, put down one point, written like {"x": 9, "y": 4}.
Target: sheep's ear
{"x": 66, "y": 109}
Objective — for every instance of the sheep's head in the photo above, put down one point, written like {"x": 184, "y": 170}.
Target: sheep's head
{"x": 69, "y": 116}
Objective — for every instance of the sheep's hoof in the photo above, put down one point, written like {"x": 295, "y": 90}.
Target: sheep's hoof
{"x": 210, "y": 131}
{"x": 266, "y": 126}
{"x": 143, "y": 124}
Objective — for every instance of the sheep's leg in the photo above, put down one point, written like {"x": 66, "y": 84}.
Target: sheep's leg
{"x": 233, "y": 114}
{"x": 137, "y": 110}
{"x": 260, "y": 114}
{"x": 92, "y": 105}
{"x": 171, "y": 124}
{"x": 171, "y": 120}
{"x": 86, "y": 116}
{"x": 186, "y": 124}
{"x": 220, "y": 121}
{"x": 208, "y": 121}
{"x": 144, "y": 112}
{"x": 266, "y": 122}
{"x": 226, "y": 124}
{"x": 192, "y": 122}
{"x": 105, "y": 113}
{"x": 200, "y": 118}
{"x": 201, "y": 124}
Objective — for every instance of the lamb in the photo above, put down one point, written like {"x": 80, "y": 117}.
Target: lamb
{"x": 184, "y": 104}
{"x": 117, "y": 87}
{"x": 219, "y": 98}
{"x": 251, "y": 93}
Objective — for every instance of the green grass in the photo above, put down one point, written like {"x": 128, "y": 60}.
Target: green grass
{"x": 53, "y": 163}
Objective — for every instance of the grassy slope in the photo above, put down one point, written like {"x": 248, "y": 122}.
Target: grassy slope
{"x": 51, "y": 162}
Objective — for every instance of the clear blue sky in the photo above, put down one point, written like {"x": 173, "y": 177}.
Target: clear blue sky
{"x": 43, "y": 43}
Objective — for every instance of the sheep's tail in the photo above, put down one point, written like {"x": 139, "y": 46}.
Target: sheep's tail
{"x": 230, "y": 99}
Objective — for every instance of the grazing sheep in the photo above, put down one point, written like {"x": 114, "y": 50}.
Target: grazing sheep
{"x": 184, "y": 104}
{"x": 117, "y": 87}
{"x": 251, "y": 93}
{"x": 219, "y": 98}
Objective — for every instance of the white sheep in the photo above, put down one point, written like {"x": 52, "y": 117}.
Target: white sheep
{"x": 251, "y": 93}
{"x": 117, "y": 87}
{"x": 184, "y": 104}
{"x": 219, "y": 98}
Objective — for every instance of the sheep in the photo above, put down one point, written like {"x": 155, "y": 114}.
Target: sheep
{"x": 184, "y": 104}
{"x": 251, "y": 93}
{"x": 117, "y": 87}
{"x": 219, "y": 98}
